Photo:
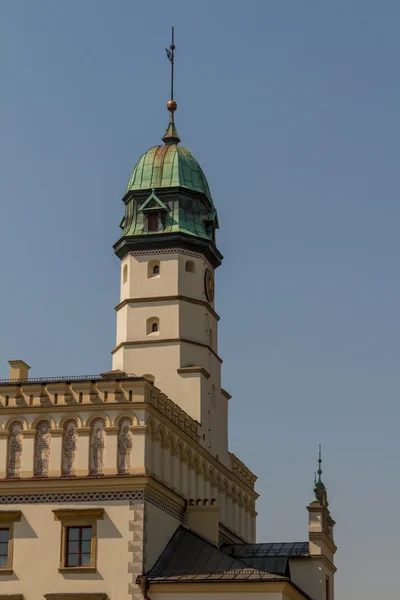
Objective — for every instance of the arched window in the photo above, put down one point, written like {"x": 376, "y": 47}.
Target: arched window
{"x": 125, "y": 274}
{"x": 189, "y": 266}
{"x": 153, "y": 268}
{"x": 152, "y": 325}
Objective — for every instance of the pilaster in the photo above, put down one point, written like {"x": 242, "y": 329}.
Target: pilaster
{"x": 111, "y": 450}
{"x": 28, "y": 452}
{"x": 82, "y": 458}
{"x": 56, "y": 452}
{"x": 4, "y": 435}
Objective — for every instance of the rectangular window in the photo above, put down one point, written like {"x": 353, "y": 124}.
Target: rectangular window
{"x": 152, "y": 221}
{"x": 79, "y": 542}
{"x": 78, "y": 538}
{"x": 4, "y": 542}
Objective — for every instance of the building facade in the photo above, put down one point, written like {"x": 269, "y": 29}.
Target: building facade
{"x": 122, "y": 485}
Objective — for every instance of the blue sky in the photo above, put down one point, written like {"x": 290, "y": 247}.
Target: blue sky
{"x": 291, "y": 108}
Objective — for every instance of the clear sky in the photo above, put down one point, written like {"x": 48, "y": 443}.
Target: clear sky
{"x": 292, "y": 109}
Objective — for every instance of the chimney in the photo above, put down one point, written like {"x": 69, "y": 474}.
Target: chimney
{"x": 203, "y": 519}
{"x": 18, "y": 369}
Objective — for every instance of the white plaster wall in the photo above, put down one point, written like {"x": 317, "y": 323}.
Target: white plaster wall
{"x": 192, "y": 284}
{"x": 310, "y": 575}
{"x": 160, "y": 527}
{"x": 37, "y": 541}
{"x": 167, "y": 312}
{"x": 155, "y": 595}
{"x": 141, "y": 286}
{"x": 194, "y": 323}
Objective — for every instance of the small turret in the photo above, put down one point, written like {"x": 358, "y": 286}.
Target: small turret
{"x": 320, "y": 531}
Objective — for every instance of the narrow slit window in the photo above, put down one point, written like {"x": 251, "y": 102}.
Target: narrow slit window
{"x": 154, "y": 327}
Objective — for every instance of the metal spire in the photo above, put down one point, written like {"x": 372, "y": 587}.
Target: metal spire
{"x": 319, "y": 466}
{"x": 171, "y": 135}
{"x": 171, "y": 57}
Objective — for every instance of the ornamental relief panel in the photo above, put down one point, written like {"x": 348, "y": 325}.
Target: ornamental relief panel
{"x": 125, "y": 445}
{"x": 69, "y": 447}
{"x": 42, "y": 449}
{"x": 97, "y": 446}
{"x": 14, "y": 450}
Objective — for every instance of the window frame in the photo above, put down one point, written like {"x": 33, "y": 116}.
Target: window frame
{"x": 7, "y": 520}
{"x": 80, "y": 541}
{"x": 86, "y": 517}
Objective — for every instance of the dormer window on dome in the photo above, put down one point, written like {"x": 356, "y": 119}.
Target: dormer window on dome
{"x": 154, "y": 211}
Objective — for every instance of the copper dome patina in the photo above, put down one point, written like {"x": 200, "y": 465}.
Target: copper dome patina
{"x": 169, "y": 166}
{"x": 168, "y": 202}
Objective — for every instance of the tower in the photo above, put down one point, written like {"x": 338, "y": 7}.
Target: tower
{"x": 316, "y": 576}
{"x": 167, "y": 326}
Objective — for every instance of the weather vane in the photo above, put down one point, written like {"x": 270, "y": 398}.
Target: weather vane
{"x": 172, "y": 106}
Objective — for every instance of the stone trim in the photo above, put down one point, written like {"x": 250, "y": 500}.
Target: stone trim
{"x": 9, "y": 516}
{"x": 72, "y": 596}
{"x": 226, "y": 394}
{"x": 189, "y": 370}
{"x": 175, "y": 250}
{"x": 166, "y": 341}
{"x": 165, "y": 507}
{"x": 71, "y": 517}
{"x": 166, "y": 299}
{"x": 70, "y": 497}
{"x": 137, "y": 545}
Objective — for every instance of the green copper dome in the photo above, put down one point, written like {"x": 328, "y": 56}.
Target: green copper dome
{"x": 168, "y": 202}
{"x": 169, "y": 166}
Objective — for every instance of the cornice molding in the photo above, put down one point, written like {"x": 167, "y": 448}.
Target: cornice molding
{"x": 190, "y": 370}
{"x": 174, "y": 298}
{"x": 166, "y": 341}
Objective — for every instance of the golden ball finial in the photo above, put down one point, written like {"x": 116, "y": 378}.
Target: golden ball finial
{"x": 172, "y": 106}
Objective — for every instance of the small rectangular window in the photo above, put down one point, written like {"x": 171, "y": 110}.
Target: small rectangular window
{"x": 79, "y": 541}
{"x": 4, "y": 544}
{"x": 152, "y": 222}
{"x": 327, "y": 588}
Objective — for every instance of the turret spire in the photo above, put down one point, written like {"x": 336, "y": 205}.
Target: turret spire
{"x": 320, "y": 495}
{"x": 319, "y": 466}
{"x": 171, "y": 135}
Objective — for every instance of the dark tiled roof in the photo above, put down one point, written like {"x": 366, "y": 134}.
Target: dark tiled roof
{"x": 188, "y": 557}
{"x": 267, "y": 550}
{"x": 273, "y": 558}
